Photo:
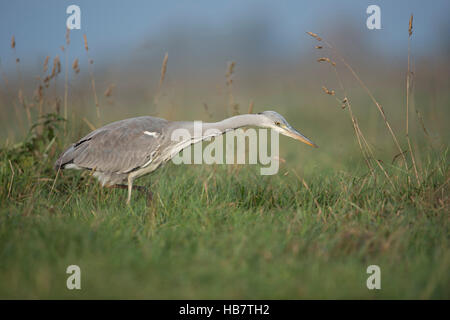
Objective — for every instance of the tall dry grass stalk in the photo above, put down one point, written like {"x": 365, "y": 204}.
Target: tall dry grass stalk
{"x": 21, "y": 93}
{"x": 161, "y": 78}
{"x": 12, "y": 178}
{"x": 66, "y": 75}
{"x": 91, "y": 76}
{"x": 109, "y": 94}
{"x": 40, "y": 91}
{"x": 408, "y": 85}
{"x": 75, "y": 66}
{"x": 56, "y": 70}
{"x": 365, "y": 149}
{"x": 89, "y": 124}
{"x": 7, "y": 89}
{"x": 364, "y": 145}
{"x": 45, "y": 81}
{"x": 4, "y": 77}
{"x": 109, "y": 91}
{"x": 232, "y": 105}
{"x": 250, "y": 106}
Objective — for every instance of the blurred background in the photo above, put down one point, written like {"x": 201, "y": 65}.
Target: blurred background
{"x": 275, "y": 67}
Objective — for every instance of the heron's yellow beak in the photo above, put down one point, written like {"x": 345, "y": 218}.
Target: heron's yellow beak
{"x": 291, "y": 132}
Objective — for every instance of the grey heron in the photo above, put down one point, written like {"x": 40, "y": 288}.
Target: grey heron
{"x": 124, "y": 150}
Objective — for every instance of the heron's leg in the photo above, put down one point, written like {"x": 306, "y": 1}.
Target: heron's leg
{"x": 130, "y": 187}
{"x": 142, "y": 189}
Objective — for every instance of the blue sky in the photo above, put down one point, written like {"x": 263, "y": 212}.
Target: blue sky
{"x": 115, "y": 28}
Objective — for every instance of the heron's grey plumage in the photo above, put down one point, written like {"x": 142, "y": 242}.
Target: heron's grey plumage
{"x": 124, "y": 150}
{"x": 116, "y": 149}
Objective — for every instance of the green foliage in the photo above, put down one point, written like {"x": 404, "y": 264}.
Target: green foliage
{"x": 35, "y": 147}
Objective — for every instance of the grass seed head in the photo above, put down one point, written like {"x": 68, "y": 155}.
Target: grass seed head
{"x": 410, "y": 28}
{"x": 39, "y": 92}
{"x": 330, "y": 92}
{"x": 46, "y": 63}
{"x": 47, "y": 81}
{"x": 164, "y": 67}
{"x": 230, "y": 69}
{"x": 67, "y": 36}
{"x": 109, "y": 90}
{"x": 250, "y": 107}
{"x": 314, "y": 35}
{"x": 344, "y": 102}
{"x": 327, "y": 60}
{"x": 85, "y": 43}
{"x": 56, "y": 69}
{"x": 58, "y": 65}
{"x": 75, "y": 66}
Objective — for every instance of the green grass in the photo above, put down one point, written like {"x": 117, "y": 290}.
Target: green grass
{"x": 216, "y": 232}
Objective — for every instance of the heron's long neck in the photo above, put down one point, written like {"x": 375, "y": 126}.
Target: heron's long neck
{"x": 235, "y": 122}
{"x": 222, "y": 126}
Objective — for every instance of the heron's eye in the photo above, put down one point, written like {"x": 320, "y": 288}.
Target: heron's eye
{"x": 277, "y": 123}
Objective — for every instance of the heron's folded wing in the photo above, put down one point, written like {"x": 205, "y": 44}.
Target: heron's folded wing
{"x": 121, "y": 148}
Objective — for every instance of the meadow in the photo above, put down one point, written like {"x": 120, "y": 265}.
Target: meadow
{"x": 374, "y": 193}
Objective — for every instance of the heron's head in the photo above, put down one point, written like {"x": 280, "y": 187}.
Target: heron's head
{"x": 275, "y": 121}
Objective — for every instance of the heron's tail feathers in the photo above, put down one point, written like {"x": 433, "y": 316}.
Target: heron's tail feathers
{"x": 65, "y": 158}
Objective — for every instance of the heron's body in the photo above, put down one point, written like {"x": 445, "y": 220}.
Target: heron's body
{"x": 117, "y": 150}
{"x": 125, "y": 150}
